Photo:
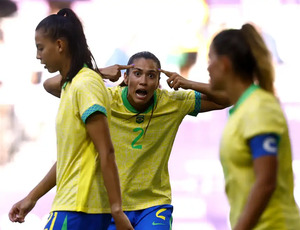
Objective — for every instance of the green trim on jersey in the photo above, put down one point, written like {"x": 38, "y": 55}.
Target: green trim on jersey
{"x": 79, "y": 181}
{"x": 91, "y": 110}
{"x": 130, "y": 107}
{"x": 244, "y": 96}
{"x": 197, "y": 104}
{"x": 259, "y": 113}
{"x": 142, "y": 157}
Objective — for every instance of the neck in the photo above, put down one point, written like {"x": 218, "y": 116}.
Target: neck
{"x": 236, "y": 88}
{"x": 64, "y": 70}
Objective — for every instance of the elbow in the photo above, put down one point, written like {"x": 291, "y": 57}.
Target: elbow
{"x": 46, "y": 86}
{"x": 270, "y": 187}
{"x": 107, "y": 156}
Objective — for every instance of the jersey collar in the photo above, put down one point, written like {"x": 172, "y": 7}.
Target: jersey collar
{"x": 129, "y": 106}
{"x": 244, "y": 96}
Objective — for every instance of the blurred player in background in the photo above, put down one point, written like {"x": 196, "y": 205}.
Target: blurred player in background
{"x": 255, "y": 149}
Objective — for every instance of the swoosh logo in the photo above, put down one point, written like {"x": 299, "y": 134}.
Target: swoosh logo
{"x": 156, "y": 223}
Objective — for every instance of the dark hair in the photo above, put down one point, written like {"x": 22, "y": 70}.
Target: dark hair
{"x": 145, "y": 55}
{"x": 248, "y": 53}
{"x": 65, "y": 24}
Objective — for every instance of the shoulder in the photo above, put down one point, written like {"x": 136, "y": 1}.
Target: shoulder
{"x": 87, "y": 77}
{"x": 264, "y": 101}
{"x": 265, "y": 107}
{"x": 175, "y": 95}
{"x": 115, "y": 91}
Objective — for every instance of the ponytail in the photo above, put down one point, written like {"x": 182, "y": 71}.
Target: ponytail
{"x": 65, "y": 24}
{"x": 264, "y": 70}
{"x": 248, "y": 53}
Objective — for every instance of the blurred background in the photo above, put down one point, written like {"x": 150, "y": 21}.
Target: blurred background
{"x": 178, "y": 32}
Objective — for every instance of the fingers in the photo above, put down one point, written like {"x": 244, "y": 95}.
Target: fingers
{"x": 12, "y": 215}
{"x": 176, "y": 85}
{"x": 121, "y": 67}
{"x": 16, "y": 215}
{"x": 167, "y": 73}
{"x": 175, "y": 80}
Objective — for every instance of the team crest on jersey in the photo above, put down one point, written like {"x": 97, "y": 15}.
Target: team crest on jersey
{"x": 139, "y": 119}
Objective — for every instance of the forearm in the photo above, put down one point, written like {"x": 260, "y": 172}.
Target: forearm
{"x": 112, "y": 182}
{"x": 46, "y": 184}
{"x": 98, "y": 130}
{"x": 52, "y": 85}
{"x": 256, "y": 204}
{"x": 218, "y": 97}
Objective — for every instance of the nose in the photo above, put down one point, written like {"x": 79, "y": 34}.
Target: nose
{"x": 143, "y": 80}
{"x": 38, "y": 56}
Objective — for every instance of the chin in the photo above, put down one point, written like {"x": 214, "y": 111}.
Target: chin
{"x": 52, "y": 71}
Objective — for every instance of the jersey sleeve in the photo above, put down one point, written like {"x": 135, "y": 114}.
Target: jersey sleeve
{"x": 91, "y": 96}
{"x": 264, "y": 117}
{"x": 197, "y": 106}
{"x": 188, "y": 101}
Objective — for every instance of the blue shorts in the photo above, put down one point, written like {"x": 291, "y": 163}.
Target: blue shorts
{"x": 157, "y": 217}
{"x": 63, "y": 220}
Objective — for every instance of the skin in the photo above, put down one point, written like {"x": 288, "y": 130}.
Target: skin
{"x": 142, "y": 81}
{"x": 211, "y": 99}
{"x": 55, "y": 56}
{"x": 19, "y": 210}
{"x": 223, "y": 77}
{"x": 136, "y": 79}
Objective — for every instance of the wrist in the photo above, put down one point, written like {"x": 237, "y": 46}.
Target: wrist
{"x": 116, "y": 210}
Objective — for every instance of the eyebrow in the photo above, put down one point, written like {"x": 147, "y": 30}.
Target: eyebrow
{"x": 151, "y": 70}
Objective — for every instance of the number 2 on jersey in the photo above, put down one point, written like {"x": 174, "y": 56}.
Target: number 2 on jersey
{"x": 133, "y": 144}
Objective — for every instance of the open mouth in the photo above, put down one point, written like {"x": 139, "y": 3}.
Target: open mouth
{"x": 141, "y": 93}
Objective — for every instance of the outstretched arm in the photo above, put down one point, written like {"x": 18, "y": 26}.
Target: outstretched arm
{"x": 19, "y": 210}
{"x": 112, "y": 73}
{"x": 211, "y": 100}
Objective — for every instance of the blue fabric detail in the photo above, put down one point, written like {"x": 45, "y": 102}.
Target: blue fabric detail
{"x": 264, "y": 145}
{"x": 156, "y": 217}
{"x": 197, "y": 104}
{"x": 91, "y": 110}
{"x": 63, "y": 220}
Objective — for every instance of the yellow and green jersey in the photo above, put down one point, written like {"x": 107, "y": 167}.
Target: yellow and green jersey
{"x": 258, "y": 112}
{"x": 143, "y": 143}
{"x": 79, "y": 180}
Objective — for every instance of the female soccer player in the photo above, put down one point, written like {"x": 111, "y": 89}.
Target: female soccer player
{"x": 255, "y": 149}
{"x": 144, "y": 123}
{"x": 86, "y": 176}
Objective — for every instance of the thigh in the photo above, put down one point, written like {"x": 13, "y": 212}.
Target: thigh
{"x": 158, "y": 217}
{"x": 77, "y": 221}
